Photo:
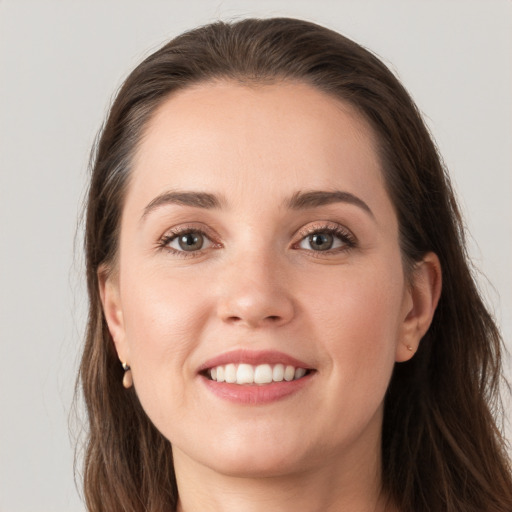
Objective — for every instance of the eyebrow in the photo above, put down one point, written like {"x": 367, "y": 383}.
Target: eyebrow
{"x": 315, "y": 198}
{"x": 298, "y": 201}
{"x": 194, "y": 199}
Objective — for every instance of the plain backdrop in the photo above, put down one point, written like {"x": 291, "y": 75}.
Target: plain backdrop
{"x": 60, "y": 63}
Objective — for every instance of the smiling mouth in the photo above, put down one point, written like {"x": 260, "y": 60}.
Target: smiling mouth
{"x": 261, "y": 374}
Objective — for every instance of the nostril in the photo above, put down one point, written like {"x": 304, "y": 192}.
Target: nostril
{"x": 272, "y": 319}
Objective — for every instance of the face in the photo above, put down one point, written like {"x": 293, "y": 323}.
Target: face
{"x": 260, "y": 296}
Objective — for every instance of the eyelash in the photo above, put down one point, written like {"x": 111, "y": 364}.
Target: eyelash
{"x": 164, "y": 242}
{"x": 347, "y": 238}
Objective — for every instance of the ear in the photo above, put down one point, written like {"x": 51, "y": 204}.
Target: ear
{"x": 108, "y": 282}
{"x": 420, "y": 305}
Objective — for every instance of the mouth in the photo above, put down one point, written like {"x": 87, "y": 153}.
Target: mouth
{"x": 249, "y": 377}
{"x": 261, "y": 374}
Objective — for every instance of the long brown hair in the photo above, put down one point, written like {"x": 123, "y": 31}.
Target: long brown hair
{"x": 441, "y": 448}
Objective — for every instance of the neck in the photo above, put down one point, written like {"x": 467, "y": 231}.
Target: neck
{"x": 309, "y": 494}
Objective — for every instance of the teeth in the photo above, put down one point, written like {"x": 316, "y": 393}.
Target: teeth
{"x": 244, "y": 374}
{"x": 260, "y": 374}
{"x": 230, "y": 373}
{"x": 299, "y": 373}
{"x": 289, "y": 373}
{"x": 278, "y": 373}
{"x": 263, "y": 374}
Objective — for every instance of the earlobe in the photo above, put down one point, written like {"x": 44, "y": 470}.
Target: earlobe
{"x": 108, "y": 284}
{"x": 424, "y": 292}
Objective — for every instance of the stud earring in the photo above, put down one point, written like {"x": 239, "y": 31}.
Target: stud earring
{"x": 409, "y": 348}
{"x": 127, "y": 377}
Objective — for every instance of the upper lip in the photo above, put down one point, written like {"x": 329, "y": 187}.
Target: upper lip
{"x": 253, "y": 357}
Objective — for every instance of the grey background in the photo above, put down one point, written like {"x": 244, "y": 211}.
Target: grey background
{"x": 60, "y": 63}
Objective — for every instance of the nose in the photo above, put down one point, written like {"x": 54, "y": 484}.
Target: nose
{"x": 254, "y": 292}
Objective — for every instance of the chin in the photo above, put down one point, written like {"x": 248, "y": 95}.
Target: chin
{"x": 248, "y": 454}
{"x": 258, "y": 464}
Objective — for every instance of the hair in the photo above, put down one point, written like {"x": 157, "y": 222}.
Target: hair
{"x": 441, "y": 447}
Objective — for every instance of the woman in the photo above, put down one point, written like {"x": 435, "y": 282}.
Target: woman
{"x": 282, "y": 315}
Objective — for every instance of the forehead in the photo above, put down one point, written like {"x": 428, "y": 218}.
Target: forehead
{"x": 254, "y": 141}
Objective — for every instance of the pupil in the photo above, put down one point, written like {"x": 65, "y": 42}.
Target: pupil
{"x": 321, "y": 241}
{"x": 191, "y": 241}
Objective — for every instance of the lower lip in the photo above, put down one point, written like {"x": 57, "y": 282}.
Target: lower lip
{"x": 253, "y": 394}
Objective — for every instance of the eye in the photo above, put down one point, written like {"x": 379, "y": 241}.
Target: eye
{"x": 318, "y": 242}
{"x": 187, "y": 241}
{"x": 327, "y": 238}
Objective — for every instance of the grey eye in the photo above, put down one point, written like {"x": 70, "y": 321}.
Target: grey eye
{"x": 189, "y": 242}
{"x": 321, "y": 241}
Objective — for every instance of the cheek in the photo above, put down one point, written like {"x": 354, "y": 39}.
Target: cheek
{"x": 356, "y": 316}
{"x": 163, "y": 324}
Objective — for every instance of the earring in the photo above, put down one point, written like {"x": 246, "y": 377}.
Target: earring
{"x": 127, "y": 377}
{"x": 409, "y": 348}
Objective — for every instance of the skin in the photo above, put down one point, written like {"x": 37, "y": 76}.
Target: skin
{"x": 257, "y": 284}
